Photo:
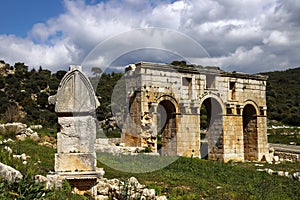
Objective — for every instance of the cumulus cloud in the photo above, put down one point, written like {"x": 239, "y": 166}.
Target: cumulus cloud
{"x": 249, "y": 36}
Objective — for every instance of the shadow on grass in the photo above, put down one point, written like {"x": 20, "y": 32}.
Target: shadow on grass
{"x": 138, "y": 163}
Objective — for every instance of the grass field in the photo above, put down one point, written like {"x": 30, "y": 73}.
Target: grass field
{"x": 193, "y": 178}
{"x": 289, "y": 135}
{"x": 185, "y": 178}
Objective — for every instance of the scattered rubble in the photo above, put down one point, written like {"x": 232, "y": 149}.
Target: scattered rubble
{"x": 5, "y": 141}
{"x": 114, "y": 189}
{"x": 24, "y": 133}
{"x": 14, "y": 127}
{"x": 295, "y": 175}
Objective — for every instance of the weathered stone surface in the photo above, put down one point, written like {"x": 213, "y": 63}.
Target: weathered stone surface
{"x": 78, "y": 134}
{"x": 75, "y": 93}
{"x": 74, "y": 162}
{"x": 164, "y": 102}
{"x": 10, "y": 174}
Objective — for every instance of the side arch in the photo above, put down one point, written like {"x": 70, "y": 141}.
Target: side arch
{"x": 171, "y": 99}
{"x": 167, "y": 111}
{"x": 253, "y": 103}
{"x": 250, "y": 131}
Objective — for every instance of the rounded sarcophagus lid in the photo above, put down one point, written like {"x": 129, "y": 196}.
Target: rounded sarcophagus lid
{"x": 75, "y": 93}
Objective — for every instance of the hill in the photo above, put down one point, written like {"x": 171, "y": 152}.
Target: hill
{"x": 283, "y": 96}
{"x": 24, "y": 94}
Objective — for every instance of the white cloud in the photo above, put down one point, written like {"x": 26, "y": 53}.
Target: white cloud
{"x": 277, "y": 38}
{"x": 34, "y": 55}
{"x": 250, "y": 36}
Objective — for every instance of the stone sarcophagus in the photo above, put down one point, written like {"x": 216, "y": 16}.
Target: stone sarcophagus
{"x": 75, "y": 104}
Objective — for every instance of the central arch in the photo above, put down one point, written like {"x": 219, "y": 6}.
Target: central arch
{"x": 166, "y": 128}
{"x": 211, "y": 133}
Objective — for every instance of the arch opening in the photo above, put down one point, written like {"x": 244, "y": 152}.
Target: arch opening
{"x": 211, "y": 130}
{"x": 250, "y": 133}
{"x": 166, "y": 129}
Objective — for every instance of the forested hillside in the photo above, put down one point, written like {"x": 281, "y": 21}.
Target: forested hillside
{"x": 24, "y": 94}
{"x": 283, "y": 96}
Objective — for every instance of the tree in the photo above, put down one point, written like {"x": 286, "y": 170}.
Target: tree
{"x": 2, "y": 82}
{"x": 96, "y": 71}
{"x": 11, "y": 114}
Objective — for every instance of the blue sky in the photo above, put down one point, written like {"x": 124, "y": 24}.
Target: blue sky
{"x": 18, "y": 16}
{"x": 248, "y": 36}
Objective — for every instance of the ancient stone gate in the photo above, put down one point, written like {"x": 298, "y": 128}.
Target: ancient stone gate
{"x": 194, "y": 110}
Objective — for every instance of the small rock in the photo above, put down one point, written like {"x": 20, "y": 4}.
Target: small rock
{"x": 23, "y": 156}
{"x": 161, "y": 198}
{"x": 34, "y": 136}
{"x": 103, "y": 187}
{"x": 10, "y": 174}
{"x": 8, "y": 149}
{"x": 101, "y": 197}
{"x": 296, "y": 176}
{"x": 269, "y": 171}
{"x": 17, "y": 156}
{"x": 36, "y": 126}
{"x": 21, "y": 137}
{"x": 132, "y": 181}
{"x": 40, "y": 179}
{"x": 9, "y": 140}
{"x": 280, "y": 173}
{"x": 276, "y": 158}
{"x": 150, "y": 193}
{"x": 258, "y": 165}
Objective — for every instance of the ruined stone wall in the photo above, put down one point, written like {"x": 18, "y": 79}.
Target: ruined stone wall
{"x": 160, "y": 86}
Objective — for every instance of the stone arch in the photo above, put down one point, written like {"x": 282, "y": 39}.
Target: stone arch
{"x": 253, "y": 103}
{"x": 171, "y": 99}
{"x": 250, "y": 133}
{"x": 211, "y": 139}
{"x": 216, "y": 98}
{"x": 167, "y": 125}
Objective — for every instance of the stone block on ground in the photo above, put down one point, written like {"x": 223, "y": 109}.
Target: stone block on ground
{"x": 10, "y": 174}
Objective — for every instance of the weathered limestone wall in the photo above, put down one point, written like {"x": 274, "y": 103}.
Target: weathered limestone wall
{"x": 233, "y": 138}
{"x": 181, "y": 91}
{"x": 263, "y": 147}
